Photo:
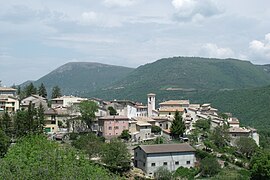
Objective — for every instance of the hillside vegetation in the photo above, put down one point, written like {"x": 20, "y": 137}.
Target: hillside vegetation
{"x": 79, "y": 77}
{"x": 187, "y": 74}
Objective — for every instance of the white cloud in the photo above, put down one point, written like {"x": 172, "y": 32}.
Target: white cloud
{"x": 261, "y": 49}
{"x": 212, "y": 50}
{"x": 119, "y": 3}
{"x": 89, "y": 17}
{"x": 100, "y": 19}
{"x": 193, "y": 10}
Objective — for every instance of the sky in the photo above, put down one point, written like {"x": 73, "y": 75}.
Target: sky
{"x": 37, "y": 36}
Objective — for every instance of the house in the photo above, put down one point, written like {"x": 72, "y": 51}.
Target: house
{"x": 51, "y": 121}
{"x": 172, "y": 156}
{"x": 168, "y": 108}
{"x": 36, "y": 100}
{"x": 7, "y": 91}
{"x": 170, "y": 112}
{"x": 112, "y": 126}
{"x": 237, "y": 132}
{"x": 124, "y": 108}
{"x": 140, "y": 129}
{"x": 66, "y": 101}
{"x": 9, "y": 103}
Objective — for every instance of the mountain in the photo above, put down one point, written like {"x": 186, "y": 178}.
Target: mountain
{"x": 77, "y": 78}
{"x": 183, "y": 75}
{"x": 265, "y": 67}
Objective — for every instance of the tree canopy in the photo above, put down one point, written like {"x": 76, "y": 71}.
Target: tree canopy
{"x": 116, "y": 156}
{"x": 246, "y": 146}
{"x": 88, "y": 110}
{"x": 260, "y": 165}
{"x": 42, "y": 91}
{"x": 35, "y": 157}
{"x": 209, "y": 167}
{"x": 56, "y": 92}
{"x": 178, "y": 126}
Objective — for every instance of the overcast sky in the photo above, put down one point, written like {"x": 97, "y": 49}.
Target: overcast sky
{"x": 38, "y": 36}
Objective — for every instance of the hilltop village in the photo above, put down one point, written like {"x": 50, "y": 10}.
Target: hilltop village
{"x": 143, "y": 123}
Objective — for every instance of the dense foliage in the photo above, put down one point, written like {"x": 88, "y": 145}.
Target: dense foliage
{"x": 116, "y": 156}
{"x": 162, "y": 173}
{"x": 178, "y": 126}
{"x": 34, "y": 157}
{"x": 209, "y": 167}
{"x": 89, "y": 143}
{"x": 260, "y": 165}
{"x": 88, "y": 110}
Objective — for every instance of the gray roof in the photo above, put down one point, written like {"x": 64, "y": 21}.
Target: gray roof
{"x": 166, "y": 148}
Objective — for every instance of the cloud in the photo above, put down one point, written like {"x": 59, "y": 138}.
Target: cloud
{"x": 194, "y": 10}
{"x": 119, "y": 3}
{"x": 261, "y": 49}
{"x": 92, "y": 18}
{"x": 212, "y": 50}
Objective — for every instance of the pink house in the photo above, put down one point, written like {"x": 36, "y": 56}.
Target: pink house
{"x": 112, "y": 126}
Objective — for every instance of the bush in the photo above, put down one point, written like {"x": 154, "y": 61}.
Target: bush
{"x": 73, "y": 136}
{"x": 185, "y": 173}
{"x": 162, "y": 173}
{"x": 202, "y": 154}
{"x": 155, "y": 129}
{"x": 209, "y": 167}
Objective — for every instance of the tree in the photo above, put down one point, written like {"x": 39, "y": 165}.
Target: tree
{"x": 203, "y": 124}
{"x": 260, "y": 165}
{"x": 112, "y": 111}
{"x": 220, "y": 136}
{"x": 4, "y": 143}
{"x": 35, "y": 157}
{"x": 6, "y": 124}
{"x": 89, "y": 143}
{"x": 40, "y": 118}
{"x": 125, "y": 135}
{"x": 42, "y": 91}
{"x": 209, "y": 167}
{"x": 246, "y": 146}
{"x": 20, "y": 123}
{"x": 178, "y": 126}
{"x": 162, "y": 173}
{"x": 116, "y": 156}
{"x": 88, "y": 110}
{"x": 56, "y": 92}
{"x": 155, "y": 129}
{"x": 30, "y": 89}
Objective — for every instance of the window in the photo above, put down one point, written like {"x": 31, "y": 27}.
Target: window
{"x": 165, "y": 163}
{"x": 143, "y": 164}
{"x": 136, "y": 154}
{"x": 176, "y": 162}
{"x": 153, "y": 164}
{"x": 110, "y": 128}
{"x": 188, "y": 162}
{"x": 116, "y": 127}
{"x": 169, "y": 113}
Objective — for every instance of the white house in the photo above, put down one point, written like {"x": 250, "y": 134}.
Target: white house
{"x": 9, "y": 103}
{"x": 36, "y": 100}
{"x": 66, "y": 101}
{"x": 172, "y": 156}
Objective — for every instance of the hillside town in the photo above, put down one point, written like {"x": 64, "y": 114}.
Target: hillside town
{"x": 63, "y": 116}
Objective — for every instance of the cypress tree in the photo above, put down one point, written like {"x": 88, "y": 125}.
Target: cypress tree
{"x": 42, "y": 91}
{"x": 178, "y": 126}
